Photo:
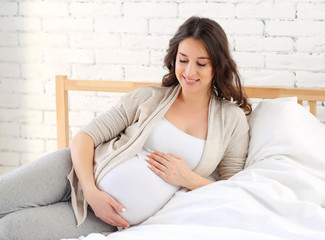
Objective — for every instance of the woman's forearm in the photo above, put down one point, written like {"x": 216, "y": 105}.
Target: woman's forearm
{"x": 104, "y": 206}
{"x": 82, "y": 153}
{"x": 196, "y": 181}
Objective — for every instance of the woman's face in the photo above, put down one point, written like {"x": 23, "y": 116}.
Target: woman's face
{"x": 193, "y": 67}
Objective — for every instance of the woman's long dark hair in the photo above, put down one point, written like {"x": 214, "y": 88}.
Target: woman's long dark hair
{"x": 226, "y": 82}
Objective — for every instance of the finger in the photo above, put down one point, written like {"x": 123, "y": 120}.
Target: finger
{"x": 175, "y": 156}
{"x": 109, "y": 215}
{"x": 118, "y": 208}
{"x": 157, "y": 171}
{"x": 111, "y": 222}
{"x": 116, "y": 205}
{"x": 163, "y": 155}
{"x": 156, "y": 164}
{"x": 117, "y": 221}
{"x": 122, "y": 222}
{"x": 162, "y": 160}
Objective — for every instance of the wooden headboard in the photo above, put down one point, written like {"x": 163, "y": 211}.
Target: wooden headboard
{"x": 63, "y": 85}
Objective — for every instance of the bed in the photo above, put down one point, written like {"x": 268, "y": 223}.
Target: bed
{"x": 279, "y": 195}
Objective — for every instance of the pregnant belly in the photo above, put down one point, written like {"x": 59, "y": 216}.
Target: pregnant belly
{"x": 137, "y": 188}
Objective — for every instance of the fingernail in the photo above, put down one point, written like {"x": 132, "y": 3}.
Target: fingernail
{"x": 123, "y": 210}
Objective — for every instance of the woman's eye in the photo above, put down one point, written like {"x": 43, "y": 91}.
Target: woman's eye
{"x": 185, "y": 61}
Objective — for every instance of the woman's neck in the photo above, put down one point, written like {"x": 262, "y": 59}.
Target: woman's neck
{"x": 194, "y": 100}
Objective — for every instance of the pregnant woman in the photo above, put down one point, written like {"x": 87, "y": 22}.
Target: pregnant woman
{"x": 129, "y": 161}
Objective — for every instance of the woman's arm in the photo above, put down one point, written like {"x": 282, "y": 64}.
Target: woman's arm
{"x": 82, "y": 152}
{"x": 103, "y": 205}
{"x": 237, "y": 148}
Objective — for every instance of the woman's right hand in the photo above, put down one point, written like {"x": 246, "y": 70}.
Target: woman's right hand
{"x": 106, "y": 207}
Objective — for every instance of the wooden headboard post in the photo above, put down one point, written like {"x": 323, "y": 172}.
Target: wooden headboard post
{"x": 62, "y": 113}
{"x": 63, "y": 85}
{"x": 303, "y": 94}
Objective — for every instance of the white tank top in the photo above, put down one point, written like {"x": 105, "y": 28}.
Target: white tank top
{"x": 136, "y": 187}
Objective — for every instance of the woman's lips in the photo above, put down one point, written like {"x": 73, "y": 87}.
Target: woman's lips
{"x": 190, "y": 81}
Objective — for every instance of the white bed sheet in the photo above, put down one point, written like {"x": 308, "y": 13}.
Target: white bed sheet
{"x": 280, "y": 195}
{"x": 261, "y": 202}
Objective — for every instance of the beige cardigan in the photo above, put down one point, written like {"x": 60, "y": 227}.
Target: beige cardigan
{"x": 121, "y": 132}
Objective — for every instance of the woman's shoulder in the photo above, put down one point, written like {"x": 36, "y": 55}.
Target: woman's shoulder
{"x": 234, "y": 118}
{"x": 230, "y": 108}
{"x": 232, "y": 113}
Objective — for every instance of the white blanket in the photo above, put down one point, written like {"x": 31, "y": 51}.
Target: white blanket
{"x": 280, "y": 195}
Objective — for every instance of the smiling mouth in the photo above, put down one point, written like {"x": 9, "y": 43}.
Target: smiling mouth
{"x": 190, "y": 80}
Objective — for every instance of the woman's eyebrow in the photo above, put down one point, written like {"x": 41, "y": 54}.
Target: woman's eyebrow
{"x": 183, "y": 54}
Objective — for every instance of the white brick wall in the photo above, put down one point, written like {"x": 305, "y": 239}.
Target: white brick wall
{"x": 275, "y": 43}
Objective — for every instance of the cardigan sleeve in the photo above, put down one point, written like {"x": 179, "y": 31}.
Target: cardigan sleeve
{"x": 235, "y": 155}
{"x": 114, "y": 121}
{"x": 132, "y": 107}
{"x": 107, "y": 125}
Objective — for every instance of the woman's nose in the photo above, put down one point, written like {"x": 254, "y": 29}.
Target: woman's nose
{"x": 190, "y": 70}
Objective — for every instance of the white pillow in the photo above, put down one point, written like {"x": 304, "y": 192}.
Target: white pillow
{"x": 282, "y": 128}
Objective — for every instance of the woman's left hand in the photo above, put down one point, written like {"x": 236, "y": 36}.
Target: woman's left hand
{"x": 171, "y": 168}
